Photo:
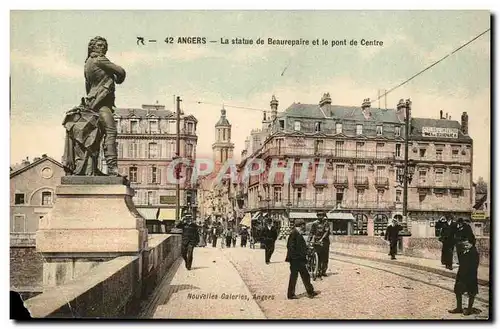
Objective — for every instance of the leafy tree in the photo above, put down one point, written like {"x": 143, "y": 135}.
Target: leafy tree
{"x": 481, "y": 186}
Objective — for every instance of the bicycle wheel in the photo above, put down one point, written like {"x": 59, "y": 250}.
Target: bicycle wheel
{"x": 314, "y": 266}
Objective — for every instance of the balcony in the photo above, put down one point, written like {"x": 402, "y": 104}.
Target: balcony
{"x": 361, "y": 181}
{"x": 444, "y": 206}
{"x": 368, "y": 205}
{"x": 457, "y": 185}
{"x": 340, "y": 181}
{"x": 329, "y": 153}
{"x": 22, "y": 239}
{"x": 381, "y": 182}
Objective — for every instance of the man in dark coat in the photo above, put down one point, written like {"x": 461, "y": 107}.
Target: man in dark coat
{"x": 466, "y": 279}
{"x": 214, "y": 233}
{"x": 392, "y": 235}
{"x": 190, "y": 239}
{"x": 244, "y": 237}
{"x": 320, "y": 236}
{"x": 269, "y": 235}
{"x": 296, "y": 256}
{"x": 448, "y": 227}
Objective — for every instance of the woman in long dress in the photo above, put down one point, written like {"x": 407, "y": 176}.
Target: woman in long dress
{"x": 466, "y": 280}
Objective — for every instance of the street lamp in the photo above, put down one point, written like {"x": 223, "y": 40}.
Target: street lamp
{"x": 405, "y": 174}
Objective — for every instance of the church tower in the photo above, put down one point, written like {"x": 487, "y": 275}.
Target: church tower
{"x": 222, "y": 148}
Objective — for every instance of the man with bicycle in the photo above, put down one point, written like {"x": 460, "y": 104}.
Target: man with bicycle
{"x": 319, "y": 236}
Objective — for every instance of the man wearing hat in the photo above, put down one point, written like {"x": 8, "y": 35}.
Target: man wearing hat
{"x": 392, "y": 235}
{"x": 270, "y": 235}
{"x": 320, "y": 237}
{"x": 190, "y": 238}
{"x": 296, "y": 256}
{"x": 447, "y": 232}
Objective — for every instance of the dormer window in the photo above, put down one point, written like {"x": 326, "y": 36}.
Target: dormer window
{"x": 153, "y": 126}
{"x": 397, "y": 131}
{"x": 338, "y": 128}
{"x": 297, "y": 126}
{"x": 282, "y": 124}
{"x": 359, "y": 129}
{"x": 134, "y": 126}
{"x": 379, "y": 130}
{"x": 317, "y": 127}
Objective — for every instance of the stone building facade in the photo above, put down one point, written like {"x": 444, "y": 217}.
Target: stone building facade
{"x": 146, "y": 146}
{"x": 359, "y": 150}
{"x": 32, "y": 194}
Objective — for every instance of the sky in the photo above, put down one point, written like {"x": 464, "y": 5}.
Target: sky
{"x": 48, "y": 50}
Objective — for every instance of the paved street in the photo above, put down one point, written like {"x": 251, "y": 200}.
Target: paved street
{"x": 236, "y": 283}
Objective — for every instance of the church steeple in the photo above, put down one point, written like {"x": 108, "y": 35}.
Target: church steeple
{"x": 222, "y": 148}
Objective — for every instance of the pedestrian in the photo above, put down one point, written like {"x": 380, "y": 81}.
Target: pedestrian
{"x": 392, "y": 235}
{"x": 229, "y": 237}
{"x": 235, "y": 236}
{"x": 269, "y": 235}
{"x": 190, "y": 239}
{"x": 320, "y": 237}
{"x": 466, "y": 279}
{"x": 214, "y": 234}
{"x": 446, "y": 236}
{"x": 244, "y": 237}
{"x": 296, "y": 256}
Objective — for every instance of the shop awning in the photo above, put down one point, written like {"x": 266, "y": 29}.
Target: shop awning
{"x": 247, "y": 220}
{"x": 148, "y": 213}
{"x": 166, "y": 214}
{"x": 303, "y": 215}
{"x": 340, "y": 216}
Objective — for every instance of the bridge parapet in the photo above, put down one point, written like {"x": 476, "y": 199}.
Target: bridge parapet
{"x": 115, "y": 288}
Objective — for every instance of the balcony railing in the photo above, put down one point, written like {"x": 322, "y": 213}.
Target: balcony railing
{"x": 361, "y": 181}
{"x": 340, "y": 180}
{"x": 330, "y": 153}
{"x": 329, "y": 204}
{"x": 444, "y": 206}
{"x": 381, "y": 181}
{"x": 447, "y": 184}
{"x": 22, "y": 239}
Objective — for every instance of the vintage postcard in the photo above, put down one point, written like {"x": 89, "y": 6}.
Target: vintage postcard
{"x": 250, "y": 165}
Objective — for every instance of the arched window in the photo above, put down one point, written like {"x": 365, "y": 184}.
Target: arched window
{"x": 46, "y": 198}
{"x": 360, "y": 225}
{"x": 380, "y": 224}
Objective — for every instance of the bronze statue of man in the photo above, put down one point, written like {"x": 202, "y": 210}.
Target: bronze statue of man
{"x": 91, "y": 122}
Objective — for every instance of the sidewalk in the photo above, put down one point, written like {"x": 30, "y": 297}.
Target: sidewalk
{"x": 423, "y": 264}
{"x": 213, "y": 289}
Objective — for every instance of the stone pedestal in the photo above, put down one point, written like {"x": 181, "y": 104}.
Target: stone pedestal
{"x": 93, "y": 220}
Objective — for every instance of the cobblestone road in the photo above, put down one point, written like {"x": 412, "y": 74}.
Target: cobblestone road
{"x": 354, "y": 289}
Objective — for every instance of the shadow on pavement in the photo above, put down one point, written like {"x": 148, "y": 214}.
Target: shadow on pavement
{"x": 172, "y": 289}
{"x": 198, "y": 268}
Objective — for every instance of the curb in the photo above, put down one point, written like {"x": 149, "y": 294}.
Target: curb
{"x": 441, "y": 272}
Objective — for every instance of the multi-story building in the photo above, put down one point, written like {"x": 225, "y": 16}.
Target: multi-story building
{"x": 146, "y": 146}
{"x": 359, "y": 150}
{"x": 32, "y": 195}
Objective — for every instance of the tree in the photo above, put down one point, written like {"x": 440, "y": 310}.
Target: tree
{"x": 481, "y": 186}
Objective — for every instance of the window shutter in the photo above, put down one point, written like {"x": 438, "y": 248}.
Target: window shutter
{"x": 120, "y": 150}
{"x": 130, "y": 150}
{"x": 160, "y": 147}
{"x": 146, "y": 150}
{"x": 158, "y": 175}
{"x": 142, "y": 152}
{"x": 150, "y": 175}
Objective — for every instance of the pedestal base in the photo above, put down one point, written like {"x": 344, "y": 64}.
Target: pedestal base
{"x": 93, "y": 220}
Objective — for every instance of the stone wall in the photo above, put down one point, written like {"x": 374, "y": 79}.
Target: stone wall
{"x": 409, "y": 246}
{"x": 115, "y": 289}
{"x": 26, "y": 271}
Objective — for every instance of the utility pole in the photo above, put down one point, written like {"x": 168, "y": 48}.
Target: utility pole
{"x": 177, "y": 155}
{"x": 407, "y": 134}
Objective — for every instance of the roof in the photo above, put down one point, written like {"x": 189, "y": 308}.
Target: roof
{"x": 145, "y": 113}
{"x": 223, "y": 121}
{"x": 418, "y": 123}
{"x": 34, "y": 164}
{"x": 341, "y": 112}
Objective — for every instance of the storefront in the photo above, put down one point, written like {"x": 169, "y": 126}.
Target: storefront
{"x": 341, "y": 223}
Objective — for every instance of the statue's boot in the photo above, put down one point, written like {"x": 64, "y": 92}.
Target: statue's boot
{"x": 111, "y": 157}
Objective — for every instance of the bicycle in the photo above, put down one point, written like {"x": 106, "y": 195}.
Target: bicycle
{"x": 312, "y": 261}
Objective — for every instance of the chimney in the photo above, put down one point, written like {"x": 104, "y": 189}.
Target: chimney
{"x": 465, "y": 123}
{"x": 274, "y": 108}
{"x": 446, "y": 115}
{"x": 26, "y": 162}
{"x": 325, "y": 100}
{"x": 264, "y": 117}
{"x": 440, "y": 114}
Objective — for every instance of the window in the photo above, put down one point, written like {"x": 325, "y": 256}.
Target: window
{"x": 299, "y": 194}
{"x": 19, "y": 223}
{"x": 154, "y": 175}
{"x": 319, "y": 197}
{"x": 422, "y": 152}
{"x": 339, "y": 172}
{"x": 150, "y": 200}
{"x": 153, "y": 126}
{"x": 339, "y": 197}
{"x": 317, "y": 127}
{"x": 190, "y": 127}
{"x": 379, "y": 130}
{"x": 454, "y": 176}
{"x": 398, "y": 196}
{"x": 338, "y": 128}
{"x": 359, "y": 129}
{"x": 189, "y": 151}
{"x": 398, "y": 150}
{"x": 378, "y": 150}
{"x": 360, "y": 172}
{"x": 422, "y": 176}
{"x": 397, "y": 131}
{"x": 297, "y": 125}
{"x": 282, "y": 124}
{"x": 454, "y": 154}
{"x": 439, "y": 175}
{"x": 132, "y": 174}
{"x": 133, "y": 150}
{"x": 134, "y": 126}
{"x": 360, "y": 195}
{"x": 172, "y": 127}
{"x": 46, "y": 198}
{"x": 359, "y": 149}
{"x": 439, "y": 155}
{"x": 380, "y": 224}
{"x": 339, "y": 149}
{"x": 19, "y": 198}
{"x": 153, "y": 150}
{"x": 223, "y": 134}
{"x": 277, "y": 194}
{"x": 318, "y": 146}
{"x": 380, "y": 196}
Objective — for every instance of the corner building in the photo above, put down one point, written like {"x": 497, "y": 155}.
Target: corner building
{"x": 362, "y": 148}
